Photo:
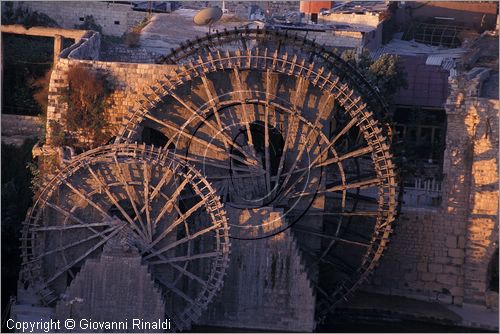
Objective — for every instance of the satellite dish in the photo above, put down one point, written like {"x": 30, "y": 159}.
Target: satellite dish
{"x": 208, "y": 16}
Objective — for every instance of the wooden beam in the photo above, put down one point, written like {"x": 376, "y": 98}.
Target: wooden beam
{"x": 18, "y": 29}
{"x": 58, "y": 46}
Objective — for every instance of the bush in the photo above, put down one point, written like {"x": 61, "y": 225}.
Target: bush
{"x": 132, "y": 37}
{"x": 87, "y": 101}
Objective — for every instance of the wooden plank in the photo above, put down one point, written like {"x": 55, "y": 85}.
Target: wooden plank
{"x": 246, "y": 119}
{"x": 331, "y": 237}
{"x": 179, "y": 220}
{"x": 76, "y": 243}
{"x": 121, "y": 176}
{"x": 186, "y": 258}
{"x": 266, "y": 131}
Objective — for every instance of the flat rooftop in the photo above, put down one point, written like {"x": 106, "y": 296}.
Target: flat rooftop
{"x": 359, "y": 7}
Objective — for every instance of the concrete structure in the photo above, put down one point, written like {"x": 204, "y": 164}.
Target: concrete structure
{"x": 115, "y": 18}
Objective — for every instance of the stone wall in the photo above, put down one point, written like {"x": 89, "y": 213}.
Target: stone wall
{"x": 369, "y": 19}
{"x": 120, "y": 53}
{"x": 443, "y": 254}
{"x": 424, "y": 259}
{"x": 128, "y": 81}
{"x": 88, "y": 47}
{"x": 114, "y": 18}
{"x": 472, "y": 155}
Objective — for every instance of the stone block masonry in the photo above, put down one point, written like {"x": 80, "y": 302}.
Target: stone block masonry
{"x": 114, "y": 18}
{"x": 444, "y": 254}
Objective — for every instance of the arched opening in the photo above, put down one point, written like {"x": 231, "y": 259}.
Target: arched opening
{"x": 150, "y": 136}
{"x": 493, "y": 272}
{"x": 276, "y": 144}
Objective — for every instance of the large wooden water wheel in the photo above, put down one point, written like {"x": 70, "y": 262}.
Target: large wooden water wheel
{"x": 174, "y": 216}
{"x": 274, "y": 120}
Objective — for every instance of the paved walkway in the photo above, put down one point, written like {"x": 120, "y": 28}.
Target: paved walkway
{"x": 475, "y": 317}
{"x": 385, "y": 305}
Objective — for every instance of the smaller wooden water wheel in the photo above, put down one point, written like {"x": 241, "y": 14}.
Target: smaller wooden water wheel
{"x": 175, "y": 218}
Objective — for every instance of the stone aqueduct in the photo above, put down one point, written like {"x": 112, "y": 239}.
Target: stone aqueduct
{"x": 272, "y": 196}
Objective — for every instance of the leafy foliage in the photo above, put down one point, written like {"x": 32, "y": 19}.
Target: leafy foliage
{"x": 132, "y": 37}
{"x": 87, "y": 101}
{"x": 386, "y": 73}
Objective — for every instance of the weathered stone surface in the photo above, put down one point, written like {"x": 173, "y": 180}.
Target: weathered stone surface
{"x": 114, "y": 288}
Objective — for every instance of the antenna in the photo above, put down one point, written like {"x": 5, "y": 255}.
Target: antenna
{"x": 207, "y": 17}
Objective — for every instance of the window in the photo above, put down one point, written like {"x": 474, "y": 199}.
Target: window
{"x": 117, "y": 22}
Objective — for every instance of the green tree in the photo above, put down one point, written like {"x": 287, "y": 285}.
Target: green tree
{"x": 385, "y": 73}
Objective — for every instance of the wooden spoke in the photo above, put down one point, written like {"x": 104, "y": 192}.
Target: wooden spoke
{"x": 180, "y": 131}
{"x": 348, "y": 214}
{"x": 188, "y": 273}
{"x": 87, "y": 199}
{"x": 181, "y": 241}
{"x": 213, "y": 107}
{"x": 85, "y": 255}
{"x": 326, "y": 236}
{"x": 194, "y": 113}
{"x": 245, "y": 114}
{"x": 113, "y": 199}
{"x": 354, "y": 154}
{"x": 79, "y": 242}
{"x": 125, "y": 184}
{"x": 176, "y": 290}
{"x": 171, "y": 201}
{"x": 67, "y": 227}
{"x": 186, "y": 258}
{"x": 180, "y": 220}
{"x": 147, "y": 201}
{"x": 266, "y": 131}
{"x": 342, "y": 187}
